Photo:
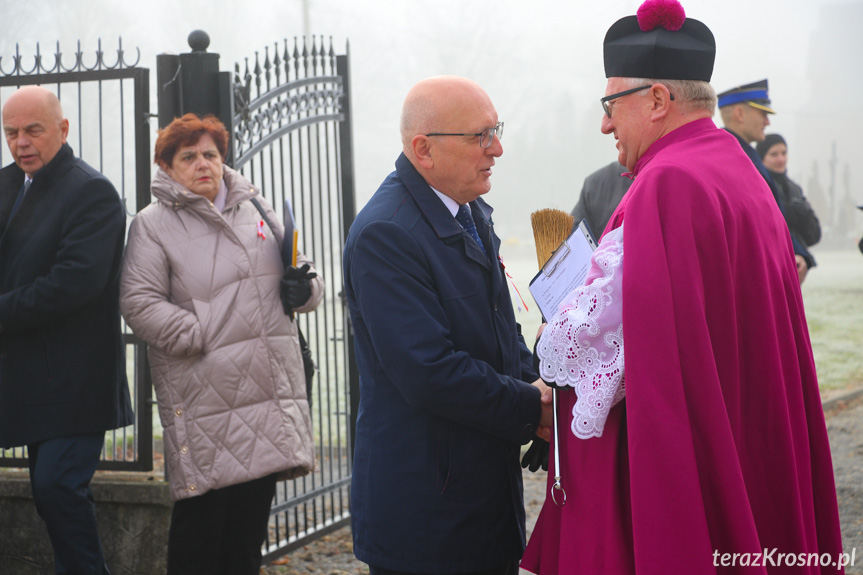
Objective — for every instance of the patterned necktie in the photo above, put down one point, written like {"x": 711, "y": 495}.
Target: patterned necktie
{"x": 20, "y": 197}
{"x": 465, "y": 218}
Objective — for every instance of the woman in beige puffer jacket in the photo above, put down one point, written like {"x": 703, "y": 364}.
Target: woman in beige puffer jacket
{"x": 201, "y": 285}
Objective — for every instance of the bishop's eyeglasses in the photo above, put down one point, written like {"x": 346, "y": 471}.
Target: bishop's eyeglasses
{"x": 607, "y": 99}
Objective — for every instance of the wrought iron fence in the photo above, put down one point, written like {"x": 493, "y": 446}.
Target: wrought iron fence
{"x": 107, "y": 103}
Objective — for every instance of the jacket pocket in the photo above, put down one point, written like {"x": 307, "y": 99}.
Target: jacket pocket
{"x": 32, "y": 360}
{"x": 456, "y": 451}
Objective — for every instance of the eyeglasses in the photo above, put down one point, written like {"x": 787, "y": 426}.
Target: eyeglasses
{"x": 607, "y": 99}
{"x": 486, "y": 137}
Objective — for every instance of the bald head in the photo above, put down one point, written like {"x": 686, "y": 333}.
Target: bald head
{"x": 454, "y": 164}
{"x": 36, "y": 96}
{"x": 436, "y": 104}
{"x": 34, "y": 127}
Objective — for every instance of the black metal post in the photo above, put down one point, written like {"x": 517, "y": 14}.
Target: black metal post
{"x": 199, "y": 77}
{"x": 192, "y": 82}
{"x": 142, "y": 140}
{"x": 168, "y": 89}
{"x": 346, "y": 151}
{"x": 226, "y": 110}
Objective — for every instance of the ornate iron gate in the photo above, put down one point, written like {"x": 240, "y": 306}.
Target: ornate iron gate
{"x": 292, "y": 139}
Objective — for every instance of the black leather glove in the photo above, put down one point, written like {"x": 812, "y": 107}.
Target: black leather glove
{"x": 536, "y": 455}
{"x": 295, "y": 288}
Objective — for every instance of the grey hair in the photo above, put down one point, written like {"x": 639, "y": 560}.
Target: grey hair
{"x": 417, "y": 118}
{"x": 691, "y": 95}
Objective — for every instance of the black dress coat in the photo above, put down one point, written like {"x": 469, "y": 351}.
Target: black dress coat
{"x": 602, "y": 192}
{"x": 62, "y": 357}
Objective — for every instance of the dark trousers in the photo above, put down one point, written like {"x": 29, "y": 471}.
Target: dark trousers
{"x": 221, "y": 532}
{"x": 507, "y": 569}
{"x": 60, "y": 474}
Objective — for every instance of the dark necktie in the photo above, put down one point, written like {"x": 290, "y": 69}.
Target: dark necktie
{"x": 465, "y": 218}
{"x": 20, "y": 197}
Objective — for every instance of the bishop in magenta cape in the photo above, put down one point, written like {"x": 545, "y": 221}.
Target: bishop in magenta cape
{"x": 720, "y": 444}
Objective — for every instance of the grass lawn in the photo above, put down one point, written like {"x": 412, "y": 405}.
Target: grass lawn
{"x": 833, "y": 298}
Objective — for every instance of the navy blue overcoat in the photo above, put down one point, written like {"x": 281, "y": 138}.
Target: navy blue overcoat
{"x": 444, "y": 399}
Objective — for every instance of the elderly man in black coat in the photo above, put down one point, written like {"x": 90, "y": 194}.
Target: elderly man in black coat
{"x": 62, "y": 366}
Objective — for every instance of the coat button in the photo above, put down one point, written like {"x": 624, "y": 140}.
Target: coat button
{"x": 179, "y": 412}
{"x": 192, "y": 488}
{"x": 184, "y": 449}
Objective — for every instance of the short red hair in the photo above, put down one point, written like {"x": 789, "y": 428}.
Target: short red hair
{"x": 186, "y": 131}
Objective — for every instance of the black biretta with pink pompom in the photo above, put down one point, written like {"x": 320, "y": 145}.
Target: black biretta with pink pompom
{"x": 661, "y": 43}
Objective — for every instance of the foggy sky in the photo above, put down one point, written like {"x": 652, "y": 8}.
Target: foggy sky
{"x": 540, "y": 61}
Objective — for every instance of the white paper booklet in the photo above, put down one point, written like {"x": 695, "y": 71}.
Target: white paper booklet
{"x": 564, "y": 271}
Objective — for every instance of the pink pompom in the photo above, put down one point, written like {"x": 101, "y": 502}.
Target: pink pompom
{"x": 666, "y": 13}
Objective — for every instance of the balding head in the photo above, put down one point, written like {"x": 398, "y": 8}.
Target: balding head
{"x": 34, "y": 127}
{"x": 39, "y": 97}
{"x": 435, "y": 103}
{"x": 454, "y": 165}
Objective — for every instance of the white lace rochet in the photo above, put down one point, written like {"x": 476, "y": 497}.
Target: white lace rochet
{"x": 582, "y": 345}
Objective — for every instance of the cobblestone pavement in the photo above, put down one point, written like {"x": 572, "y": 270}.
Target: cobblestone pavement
{"x": 845, "y": 428}
{"x": 333, "y": 554}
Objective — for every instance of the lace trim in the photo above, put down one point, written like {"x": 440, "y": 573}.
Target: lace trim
{"x": 582, "y": 346}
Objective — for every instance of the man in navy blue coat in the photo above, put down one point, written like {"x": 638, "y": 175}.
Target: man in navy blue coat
{"x": 445, "y": 402}
{"x": 62, "y": 359}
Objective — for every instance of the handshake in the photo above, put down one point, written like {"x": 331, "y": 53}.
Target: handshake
{"x": 536, "y": 455}
{"x": 295, "y": 288}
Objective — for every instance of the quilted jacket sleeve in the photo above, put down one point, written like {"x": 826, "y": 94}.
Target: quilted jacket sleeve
{"x": 144, "y": 297}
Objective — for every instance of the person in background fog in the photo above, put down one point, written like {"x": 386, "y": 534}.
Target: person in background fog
{"x": 799, "y": 215}
{"x": 600, "y": 194}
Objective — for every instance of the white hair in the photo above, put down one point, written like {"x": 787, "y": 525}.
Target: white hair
{"x": 691, "y": 95}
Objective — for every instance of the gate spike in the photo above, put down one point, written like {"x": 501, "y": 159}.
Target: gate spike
{"x": 277, "y": 64}
{"x": 257, "y": 73}
{"x": 267, "y": 66}
{"x": 286, "y": 60}
{"x": 296, "y": 59}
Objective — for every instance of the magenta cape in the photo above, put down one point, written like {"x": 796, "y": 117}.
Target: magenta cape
{"x": 720, "y": 445}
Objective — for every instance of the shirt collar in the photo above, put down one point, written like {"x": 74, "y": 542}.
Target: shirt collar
{"x": 450, "y": 203}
